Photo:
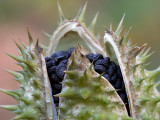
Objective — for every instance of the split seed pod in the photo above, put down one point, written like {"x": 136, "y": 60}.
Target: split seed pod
{"x": 85, "y": 93}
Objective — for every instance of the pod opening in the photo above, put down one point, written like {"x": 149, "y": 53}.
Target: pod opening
{"x": 57, "y": 63}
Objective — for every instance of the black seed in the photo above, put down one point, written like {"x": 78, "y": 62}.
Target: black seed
{"x": 123, "y": 86}
{"x": 60, "y": 70}
{"x": 90, "y": 57}
{"x": 47, "y": 59}
{"x": 51, "y": 69}
{"x": 54, "y": 63}
{"x": 54, "y": 56}
{"x": 118, "y": 83}
{"x": 110, "y": 71}
{"x": 54, "y": 78}
{"x": 106, "y": 61}
{"x": 70, "y": 51}
{"x": 94, "y": 57}
{"x": 123, "y": 96}
{"x": 119, "y": 71}
{"x": 56, "y": 99}
{"x": 99, "y": 68}
{"x": 101, "y": 62}
{"x": 57, "y": 87}
{"x": 113, "y": 65}
{"x": 97, "y": 57}
{"x": 64, "y": 62}
{"x": 48, "y": 64}
{"x": 113, "y": 78}
{"x": 54, "y": 92}
{"x": 59, "y": 58}
{"x": 60, "y": 79}
{"x": 106, "y": 76}
{"x": 59, "y": 55}
{"x": 62, "y": 53}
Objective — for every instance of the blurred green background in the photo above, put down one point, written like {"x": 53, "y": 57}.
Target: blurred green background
{"x": 42, "y": 15}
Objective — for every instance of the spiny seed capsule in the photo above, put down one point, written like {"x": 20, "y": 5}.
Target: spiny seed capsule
{"x": 57, "y": 63}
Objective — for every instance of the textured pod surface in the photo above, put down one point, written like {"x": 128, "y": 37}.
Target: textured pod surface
{"x": 140, "y": 83}
{"x": 34, "y": 96}
{"x": 87, "y": 94}
{"x": 75, "y": 31}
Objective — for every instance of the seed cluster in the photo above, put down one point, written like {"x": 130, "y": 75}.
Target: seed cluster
{"x": 110, "y": 71}
{"x": 57, "y": 63}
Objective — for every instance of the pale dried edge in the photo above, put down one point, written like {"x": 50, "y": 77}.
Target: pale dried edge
{"x": 129, "y": 79}
{"x": 123, "y": 110}
{"x": 109, "y": 38}
{"x": 51, "y": 110}
{"x": 50, "y": 107}
{"x": 75, "y": 26}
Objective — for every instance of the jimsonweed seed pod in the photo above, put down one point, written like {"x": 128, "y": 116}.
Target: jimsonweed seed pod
{"x": 82, "y": 80}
